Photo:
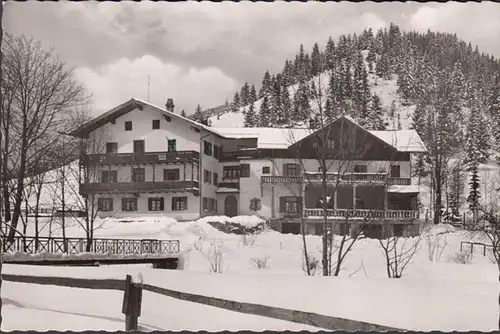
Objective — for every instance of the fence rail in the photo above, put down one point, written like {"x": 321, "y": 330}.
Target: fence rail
{"x": 31, "y": 245}
{"x": 133, "y": 187}
{"x": 362, "y": 213}
{"x": 472, "y": 244}
{"x": 376, "y": 178}
{"x": 139, "y": 158}
{"x": 132, "y": 302}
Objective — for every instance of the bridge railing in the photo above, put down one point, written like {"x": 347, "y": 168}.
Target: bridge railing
{"x": 31, "y": 245}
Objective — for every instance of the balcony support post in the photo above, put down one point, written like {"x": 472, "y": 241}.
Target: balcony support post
{"x": 184, "y": 173}
{"x": 354, "y": 196}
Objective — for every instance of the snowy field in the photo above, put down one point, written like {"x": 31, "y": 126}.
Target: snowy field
{"x": 433, "y": 295}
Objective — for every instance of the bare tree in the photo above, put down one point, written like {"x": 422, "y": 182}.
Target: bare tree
{"x": 41, "y": 90}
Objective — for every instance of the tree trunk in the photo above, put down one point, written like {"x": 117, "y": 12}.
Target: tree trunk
{"x": 63, "y": 204}
{"x": 325, "y": 225}
{"x": 437, "y": 208}
{"x": 19, "y": 194}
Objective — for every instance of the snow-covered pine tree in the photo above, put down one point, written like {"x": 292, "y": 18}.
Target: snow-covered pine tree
{"x": 245, "y": 94}
{"x": 316, "y": 67}
{"x": 264, "y": 113}
{"x": 286, "y": 102}
{"x": 383, "y": 69}
{"x": 329, "y": 55}
{"x": 266, "y": 85}
{"x": 183, "y": 113}
{"x": 200, "y": 117}
{"x": 370, "y": 59}
{"x": 472, "y": 160}
{"x": 301, "y": 103}
{"x": 275, "y": 101}
{"x": 235, "y": 106}
{"x": 253, "y": 94}
{"x": 494, "y": 113}
{"x": 376, "y": 114}
{"x": 250, "y": 119}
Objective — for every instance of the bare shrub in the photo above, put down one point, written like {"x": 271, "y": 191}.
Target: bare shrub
{"x": 198, "y": 245}
{"x": 462, "y": 257}
{"x": 398, "y": 252}
{"x": 436, "y": 244}
{"x": 216, "y": 258}
{"x": 260, "y": 262}
{"x": 248, "y": 239}
{"x": 310, "y": 264}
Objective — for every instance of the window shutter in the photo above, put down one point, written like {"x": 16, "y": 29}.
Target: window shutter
{"x": 150, "y": 204}
{"x": 298, "y": 170}
{"x": 162, "y": 204}
{"x": 99, "y": 204}
{"x": 173, "y": 204}
{"x": 111, "y": 204}
{"x": 282, "y": 204}
{"x": 123, "y": 204}
{"x": 285, "y": 170}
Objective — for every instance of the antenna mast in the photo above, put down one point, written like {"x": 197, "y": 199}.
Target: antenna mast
{"x": 148, "y": 86}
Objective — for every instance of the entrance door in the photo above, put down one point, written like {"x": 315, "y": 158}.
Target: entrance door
{"x": 231, "y": 206}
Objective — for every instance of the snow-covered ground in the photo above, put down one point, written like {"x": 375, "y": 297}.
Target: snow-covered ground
{"x": 432, "y": 295}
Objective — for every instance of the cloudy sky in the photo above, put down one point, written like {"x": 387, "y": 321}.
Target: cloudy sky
{"x": 200, "y": 53}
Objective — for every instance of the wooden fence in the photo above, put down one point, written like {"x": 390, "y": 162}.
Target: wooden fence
{"x": 32, "y": 245}
{"x": 132, "y": 302}
{"x": 472, "y": 244}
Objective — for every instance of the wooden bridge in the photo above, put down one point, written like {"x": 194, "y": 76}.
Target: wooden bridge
{"x": 83, "y": 252}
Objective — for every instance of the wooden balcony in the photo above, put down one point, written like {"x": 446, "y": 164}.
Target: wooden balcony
{"x": 332, "y": 178}
{"x": 139, "y": 187}
{"x": 362, "y": 213}
{"x": 139, "y": 158}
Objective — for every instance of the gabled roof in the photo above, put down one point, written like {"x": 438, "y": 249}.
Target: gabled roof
{"x": 125, "y": 108}
{"x": 267, "y": 138}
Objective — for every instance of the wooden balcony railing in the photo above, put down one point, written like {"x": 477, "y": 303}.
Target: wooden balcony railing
{"x": 134, "y": 187}
{"x": 362, "y": 213}
{"x": 333, "y": 177}
{"x": 139, "y": 158}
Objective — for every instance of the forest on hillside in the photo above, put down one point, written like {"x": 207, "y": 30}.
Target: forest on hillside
{"x": 454, "y": 87}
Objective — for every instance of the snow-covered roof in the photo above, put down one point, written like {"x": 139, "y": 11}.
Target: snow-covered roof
{"x": 411, "y": 189}
{"x": 227, "y": 190}
{"x": 402, "y": 140}
{"x": 267, "y": 138}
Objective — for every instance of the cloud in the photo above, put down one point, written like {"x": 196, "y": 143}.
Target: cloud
{"x": 117, "y": 82}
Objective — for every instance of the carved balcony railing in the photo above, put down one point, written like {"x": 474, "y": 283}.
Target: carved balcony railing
{"x": 139, "y": 158}
{"x": 139, "y": 187}
{"x": 363, "y": 213}
{"x": 334, "y": 177}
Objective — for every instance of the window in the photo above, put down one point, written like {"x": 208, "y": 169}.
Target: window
{"x": 207, "y": 176}
{"x": 207, "y": 148}
{"x": 139, "y": 146}
{"x": 138, "y": 175}
{"x": 172, "y": 145}
{"x": 330, "y": 143}
{"x": 128, "y": 126}
{"x": 245, "y": 170}
{"x": 398, "y": 230}
{"x": 171, "y": 175}
{"x": 360, "y": 169}
{"x": 209, "y": 204}
{"x": 168, "y": 118}
{"x": 395, "y": 171}
{"x": 231, "y": 172}
{"x": 266, "y": 170}
{"x": 216, "y": 152}
{"x": 179, "y": 203}
{"x": 129, "y": 204}
{"x": 255, "y": 204}
{"x": 216, "y": 179}
{"x": 111, "y": 148}
{"x": 156, "y": 124}
{"x": 290, "y": 204}
{"x": 108, "y": 176}
{"x": 156, "y": 204}
{"x": 291, "y": 170}
{"x": 105, "y": 204}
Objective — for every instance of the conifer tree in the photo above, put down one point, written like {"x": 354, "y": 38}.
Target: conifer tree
{"x": 183, "y": 113}
{"x": 329, "y": 55}
{"x": 265, "y": 113}
{"x": 376, "y": 114}
{"x": 235, "y": 106}
{"x": 250, "y": 119}
{"x": 245, "y": 95}
{"x": 315, "y": 61}
{"x": 201, "y": 117}
{"x": 301, "y": 103}
{"x": 472, "y": 158}
{"x": 253, "y": 94}
{"x": 370, "y": 59}
{"x": 383, "y": 69}
{"x": 266, "y": 85}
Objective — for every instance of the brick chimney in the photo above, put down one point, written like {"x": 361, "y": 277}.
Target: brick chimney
{"x": 170, "y": 105}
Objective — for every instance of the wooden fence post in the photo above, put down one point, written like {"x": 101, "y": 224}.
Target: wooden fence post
{"x": 132, "y": 300}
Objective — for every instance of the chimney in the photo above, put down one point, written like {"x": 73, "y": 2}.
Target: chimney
{"x": 170, "y": 105}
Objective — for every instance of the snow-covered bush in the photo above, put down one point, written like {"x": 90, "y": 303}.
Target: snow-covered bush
{"x": 312, "y": 263}
{"x": 462, "y": 257}
{"x": 216, "y": 258}
{"x": 249, "y": 239}
{"x": 436, "y": 244}
{"x": 260, "y": 262}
